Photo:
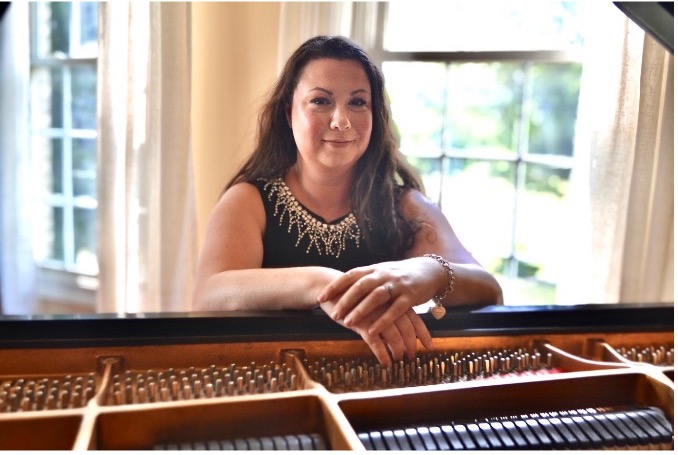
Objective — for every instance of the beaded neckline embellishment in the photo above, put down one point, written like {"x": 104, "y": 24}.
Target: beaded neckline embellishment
{"x": 327, "y": 239}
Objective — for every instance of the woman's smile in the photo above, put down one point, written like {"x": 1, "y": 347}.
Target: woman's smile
{"x": 338, "y": 142}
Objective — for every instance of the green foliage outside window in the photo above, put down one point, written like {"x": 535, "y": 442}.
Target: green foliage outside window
{"x": 489, "y": 140}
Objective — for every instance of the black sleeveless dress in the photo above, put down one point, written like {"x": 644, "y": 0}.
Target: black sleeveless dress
{"x": 297, "y": 237}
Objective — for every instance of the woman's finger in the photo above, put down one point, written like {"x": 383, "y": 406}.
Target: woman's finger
{"x": 342, "y": 283}
{"x": 355, "y": 294}
{"x": 397, "y": 308}
{"x": 379, "y": 349}
{"x": 394, "y": 340}
{"x": 379, "y": 296}
{"x": 408, "y": 334}
{"x": 375, "y": 342}
{"x": 420, "y": 329}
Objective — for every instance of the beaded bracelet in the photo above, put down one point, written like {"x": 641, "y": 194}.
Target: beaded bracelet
{"x": 438, "y": 311}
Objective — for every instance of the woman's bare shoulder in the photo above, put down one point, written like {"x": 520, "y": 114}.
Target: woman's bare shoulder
{"x": 241, "y": 201}
{"x": 415, "y": 204}
{"x": 242, "y": 191}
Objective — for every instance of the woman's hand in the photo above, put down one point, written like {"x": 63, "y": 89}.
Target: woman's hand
{"x": 397, "y": 340}
{"x": 383, "y": 292}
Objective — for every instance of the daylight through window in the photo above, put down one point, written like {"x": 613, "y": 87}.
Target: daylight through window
{"x": 63, "y": 134}
{"x": 489, "y": 119}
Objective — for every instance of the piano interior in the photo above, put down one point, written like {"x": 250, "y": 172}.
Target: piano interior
{"x": 586, "y": 377}
{"x": 498, "y": 388}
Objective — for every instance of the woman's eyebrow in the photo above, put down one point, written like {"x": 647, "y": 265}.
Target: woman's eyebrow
{"x": 354, "y": 92}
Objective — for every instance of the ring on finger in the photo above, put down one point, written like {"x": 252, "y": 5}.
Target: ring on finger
{"x": 389, "y": 289}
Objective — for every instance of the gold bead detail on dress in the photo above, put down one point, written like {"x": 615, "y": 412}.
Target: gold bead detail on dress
{"x": 328, "y": 239}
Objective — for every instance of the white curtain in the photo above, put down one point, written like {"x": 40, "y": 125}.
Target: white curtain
{"x": 17, "y": 269}
{"x": 621, "y": 199}
{"x": 147, "y": 220}
{"x": 300, "y": 21}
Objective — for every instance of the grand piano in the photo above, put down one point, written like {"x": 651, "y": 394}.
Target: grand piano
{"x": 545, "y": 377}
{"x": 576, "y": 377}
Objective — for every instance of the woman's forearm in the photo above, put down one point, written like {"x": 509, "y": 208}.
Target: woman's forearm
{"x": 473, "y": 285}
{"x": 262, "y": 289}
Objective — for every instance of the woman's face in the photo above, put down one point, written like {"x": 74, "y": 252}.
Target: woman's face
{"x": 331, "y": 114}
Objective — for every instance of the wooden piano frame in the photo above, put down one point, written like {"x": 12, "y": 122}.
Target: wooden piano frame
{"x": 581, "y": 339}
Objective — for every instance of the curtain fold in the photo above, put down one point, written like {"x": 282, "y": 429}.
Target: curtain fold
{"x": 17, "y": 268}
{"x": 147, "y": 221}
{"x": 647, "y": 266}
{"x": 621, "y": 197}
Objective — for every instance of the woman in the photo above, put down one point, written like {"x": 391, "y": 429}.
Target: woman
{"x": 325, "y": 212}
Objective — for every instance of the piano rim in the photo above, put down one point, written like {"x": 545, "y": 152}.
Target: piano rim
{"x": 101, "y": 330}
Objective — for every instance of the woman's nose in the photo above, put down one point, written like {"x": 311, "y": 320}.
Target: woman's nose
{"x": 340, "y": 120}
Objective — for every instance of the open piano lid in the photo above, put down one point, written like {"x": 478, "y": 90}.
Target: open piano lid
{"x": 656, "y": 18}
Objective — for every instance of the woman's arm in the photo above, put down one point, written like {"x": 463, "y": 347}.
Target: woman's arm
{"x": 473, "y": 284}
{"x": 401, "y": 285}
{"x": 229, "y": 277}
{"x": 229, "y": 274}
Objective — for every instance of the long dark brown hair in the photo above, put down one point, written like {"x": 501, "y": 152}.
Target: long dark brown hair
{"x": 381, "y": 174}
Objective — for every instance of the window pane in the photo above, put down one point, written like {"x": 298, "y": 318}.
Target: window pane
{"x": 519, "y": 291}
{"x": 478, "y": 200}
{"x": 541, "y": 227}
{"x": 47, "y": 100}
{"x": 88, "y": 28}
{"x": 84, "y": 167}
{"x": 48, "y": 231}
{"x": 47, "y": 165}
{"x": 429, "y": 171}
{"x": 85, "y": 240}
{"x": 84, "y": 92}
{"x": 554, "y": 98}
{"x": 53, "y": 29}
{"x": 484, "y": 107}
{"x": 462, "y": 25}
{"x": 417, "y": 108}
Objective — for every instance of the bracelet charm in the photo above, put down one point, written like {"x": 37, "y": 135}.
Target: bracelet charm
{"x": 438, "y": 311}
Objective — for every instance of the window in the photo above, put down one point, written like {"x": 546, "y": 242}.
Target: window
{"x": 489, "y": 119}
{"x": 63, "y": 146}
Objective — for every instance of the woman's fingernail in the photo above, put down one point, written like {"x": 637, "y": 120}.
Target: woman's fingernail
{"x": 322, "y": 298}
{"x": 348, "y": 321}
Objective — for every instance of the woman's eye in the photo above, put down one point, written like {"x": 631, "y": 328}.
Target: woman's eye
{"x": 358, "y": 102}
{"x": 320, "y": 101}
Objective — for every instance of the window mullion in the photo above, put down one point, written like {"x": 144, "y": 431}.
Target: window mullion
{"x": 376, "y": 49}
{"x": 33, "y": 32}
{"x": 443, "y": 152}
{"x": 74, "y": 30}
{"x": 66, "y": 172}
{"x": 525, "y": 108}
{"x": 521, "y": 165}
{"x": 59, "y": 62}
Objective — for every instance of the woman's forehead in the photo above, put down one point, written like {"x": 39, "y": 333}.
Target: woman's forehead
{"x": 346, "y": 74}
